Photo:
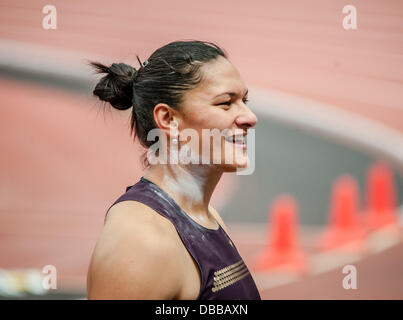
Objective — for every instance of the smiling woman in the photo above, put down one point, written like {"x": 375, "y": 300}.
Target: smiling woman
{"x": 162, "y": 239}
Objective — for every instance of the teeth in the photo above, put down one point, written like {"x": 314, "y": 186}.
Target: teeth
{"x": 236, "y": 139}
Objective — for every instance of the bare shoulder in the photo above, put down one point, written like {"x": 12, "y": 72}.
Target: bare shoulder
{"x": 218, "y": 218}
{"x": 134, "y": 249}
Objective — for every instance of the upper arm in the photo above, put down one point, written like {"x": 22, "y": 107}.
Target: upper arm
{"x": 133, "y": 259}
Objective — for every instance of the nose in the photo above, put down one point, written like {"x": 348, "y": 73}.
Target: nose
{"x": 246, "y": 119}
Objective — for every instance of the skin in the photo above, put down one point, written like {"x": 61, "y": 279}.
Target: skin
{"x": 133, "y": 257}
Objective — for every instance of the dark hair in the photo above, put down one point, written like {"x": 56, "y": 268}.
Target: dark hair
{"x": 163, "y": 78}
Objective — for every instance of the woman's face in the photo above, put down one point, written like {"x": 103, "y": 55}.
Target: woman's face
{"x": 216, "y": 109}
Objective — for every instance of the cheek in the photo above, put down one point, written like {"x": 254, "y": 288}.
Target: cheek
{"x": 215, "y": 118}
{"x": 220, "y": 120}
{"x": 209, "y": 118}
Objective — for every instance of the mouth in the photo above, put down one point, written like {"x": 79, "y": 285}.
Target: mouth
{"x": 237, "y": 139}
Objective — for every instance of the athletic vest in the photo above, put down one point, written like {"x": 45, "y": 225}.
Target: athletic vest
{"x": 224, "y": 275}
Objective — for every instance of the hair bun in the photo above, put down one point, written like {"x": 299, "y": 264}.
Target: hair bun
{"x": 117, "y": 86}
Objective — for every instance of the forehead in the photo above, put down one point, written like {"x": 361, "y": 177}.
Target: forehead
{"x": 219, "y": 76}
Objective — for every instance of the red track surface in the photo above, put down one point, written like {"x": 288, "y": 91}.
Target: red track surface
{"x": 295, "y": 46}
{"x": 62, "y": 165}
{"x": 378, "y": 277}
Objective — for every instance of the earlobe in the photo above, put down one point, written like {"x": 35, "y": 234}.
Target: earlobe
{"x": 174, "y": 123}
{"x": 166, "y": 119}
{"x": 174, "y": 130}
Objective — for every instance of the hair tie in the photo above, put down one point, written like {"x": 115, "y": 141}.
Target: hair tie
{"x": 144, "y": 63}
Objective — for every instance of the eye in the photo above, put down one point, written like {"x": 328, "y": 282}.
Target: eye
{"x": 226, "y": 103}
{"x": 246, "y": 100}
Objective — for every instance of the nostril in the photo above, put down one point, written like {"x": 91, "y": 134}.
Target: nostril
{"x": 246, "y": 121}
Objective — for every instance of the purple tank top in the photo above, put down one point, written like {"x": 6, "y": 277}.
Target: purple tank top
{"x": 224, "y": 274}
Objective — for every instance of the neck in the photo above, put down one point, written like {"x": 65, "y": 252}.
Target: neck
{"x": 191, "y": 186}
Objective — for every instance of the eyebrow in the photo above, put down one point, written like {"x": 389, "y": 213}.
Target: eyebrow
{"x": 231, "y": 93}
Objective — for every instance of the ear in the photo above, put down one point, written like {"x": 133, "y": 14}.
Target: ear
{"x": 166, "y": 118}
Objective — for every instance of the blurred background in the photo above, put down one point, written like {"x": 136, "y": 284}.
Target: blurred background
{"x": 327, "y": 190}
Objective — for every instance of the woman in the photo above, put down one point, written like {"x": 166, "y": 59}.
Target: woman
{"x": 162, "y": 239}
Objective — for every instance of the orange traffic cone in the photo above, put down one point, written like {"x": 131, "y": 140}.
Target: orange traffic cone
{"x": 345, "y": 228}
{"x": 381, "y": 197}
{"x": 282, "y": 252}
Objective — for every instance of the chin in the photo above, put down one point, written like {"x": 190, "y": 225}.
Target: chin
{"x": 233, "y": 167}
